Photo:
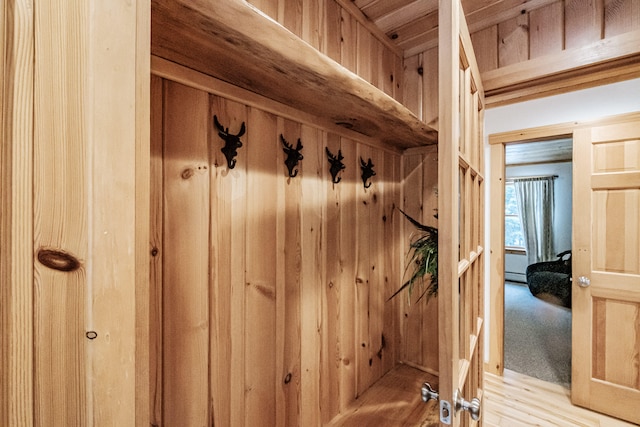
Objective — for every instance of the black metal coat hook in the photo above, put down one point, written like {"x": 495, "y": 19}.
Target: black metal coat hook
{"x": 293, "y": 155}
{"x": 336, "y": 165}
{"x": 367, "y": 172}
{"x": 231, "y": 142}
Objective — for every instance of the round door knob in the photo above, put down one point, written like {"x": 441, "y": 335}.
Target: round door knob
{"x": 583, "y": 281}
{"x": 473, "y": 406}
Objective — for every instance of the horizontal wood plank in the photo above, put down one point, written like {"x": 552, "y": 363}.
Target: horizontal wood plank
{"x": 626, "y": 46}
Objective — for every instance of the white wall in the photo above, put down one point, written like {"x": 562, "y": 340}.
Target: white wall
{"x": 583, "y": 105}
{"x": 587, "y": 104}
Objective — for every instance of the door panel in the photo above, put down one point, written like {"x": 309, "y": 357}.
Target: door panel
{"x": 606, "y": 293}
{"x": 460, "y": 219}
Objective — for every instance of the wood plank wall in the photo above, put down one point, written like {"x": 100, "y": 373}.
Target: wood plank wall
{"x": 269, "y": 293}
{"x": 72, "y": 130}
{"x": 342, "y": 35}
{"x": 419, "y": 346}
{"x": 556, "y": 26}
{"x": 541, "y": 29}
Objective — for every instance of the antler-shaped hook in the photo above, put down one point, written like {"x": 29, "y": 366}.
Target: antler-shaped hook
{"x": 336, "y": 165}
{"x": 232, "y": 142}
{"x": 367, "y": 172}
{"x": 293, "y": 155}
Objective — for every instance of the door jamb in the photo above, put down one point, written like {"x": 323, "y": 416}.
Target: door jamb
{"x": 497, "y": 143}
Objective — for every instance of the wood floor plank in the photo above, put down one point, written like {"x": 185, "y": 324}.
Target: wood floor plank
{"x": 393, "y": 401}
{"x": 514, "y": 400}
{"x": 519, "y": 400}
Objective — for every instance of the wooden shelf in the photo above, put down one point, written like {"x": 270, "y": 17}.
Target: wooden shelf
{"x": 235, "y": 42}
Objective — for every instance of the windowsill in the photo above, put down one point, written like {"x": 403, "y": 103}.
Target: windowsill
{"x": 515, "y": 251}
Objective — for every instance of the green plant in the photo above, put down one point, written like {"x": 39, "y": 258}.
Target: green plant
{"x": 422, "y": 260}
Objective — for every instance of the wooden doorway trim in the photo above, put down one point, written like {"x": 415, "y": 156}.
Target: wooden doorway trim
{"x": 495, "y": 311}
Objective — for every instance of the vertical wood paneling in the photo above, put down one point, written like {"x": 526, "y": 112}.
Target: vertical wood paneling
{"x": 116, "y": 132}
{"x": 313, "y": 273}
{"x": 61, "y": 203}
{"x": 347, "y": 310}
{"x": 390, "y": 176}
{"x": 398, "y": 77}
{"x": 156, "y": 251}
{"x": 16, "y": 219}
{"x": 430, "y": 87}
{"x": 333, "y": 32}
{"x": 73, "y": 132}
{"x": 186, "y": 256}
{"x": 376, "y": 231}
{"x": 237, "y": 181}
{"x": 376, "y": 63}
{"x": 302, "y": 330}
{"x": 620, "y": 16}
{"x": 413, "y": 312}
{"x": 513, "y": 36}
{"x": 333, "y": 294}
{"x": 288, "y": 334}
{"x": 546, "y": 30}
{"x": 412, "y": 84}
{"x": 349, "y": 37}
{"x": 313, "y": 23}
{"x": 364, "y": 47}
{"x": 583, "y": 22}
{"x": 364, "y": 279}
{"x": 142, "y": 201}
{"x": 261, "y": 248}
{"x": 429, "y": 317}
{"x": 387, "y": 65}
{"x": 485, "y": 44}
{"x": 222, "y": 288}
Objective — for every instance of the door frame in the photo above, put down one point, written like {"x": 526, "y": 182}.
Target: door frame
{"x": 494, "y": 363}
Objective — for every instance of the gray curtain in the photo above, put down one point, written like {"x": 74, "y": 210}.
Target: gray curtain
{"x": 535, "y": 205}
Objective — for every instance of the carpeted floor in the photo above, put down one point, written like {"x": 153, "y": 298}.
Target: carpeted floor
{"x": 537, "y": 336}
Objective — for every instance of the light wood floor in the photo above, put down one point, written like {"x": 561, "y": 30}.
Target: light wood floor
{"x": 518, "y": 400}
{"x": 393, "y": 401}
{"x": 514, "y": 400}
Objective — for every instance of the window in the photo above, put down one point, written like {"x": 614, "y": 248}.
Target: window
{"x": 513, "y": 236}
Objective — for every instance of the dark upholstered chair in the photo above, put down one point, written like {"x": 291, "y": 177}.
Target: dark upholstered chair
{"x": 551, "y": 280}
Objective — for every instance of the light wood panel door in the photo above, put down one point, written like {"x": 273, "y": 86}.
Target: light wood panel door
{"x": 606, "y": 270}
{"x": 460, "y": 220}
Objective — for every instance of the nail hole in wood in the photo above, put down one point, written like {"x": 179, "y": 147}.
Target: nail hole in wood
{"x": 92, "y": 335}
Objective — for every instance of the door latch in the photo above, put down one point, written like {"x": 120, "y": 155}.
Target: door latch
{"x": 428, "y": 393}
{"x": 473, "y": 406}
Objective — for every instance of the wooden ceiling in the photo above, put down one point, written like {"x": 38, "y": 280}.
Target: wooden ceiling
{"x": 559, "y": 150}
{"x": 412, "y": 24}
